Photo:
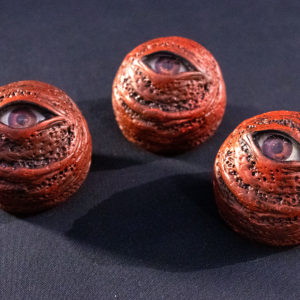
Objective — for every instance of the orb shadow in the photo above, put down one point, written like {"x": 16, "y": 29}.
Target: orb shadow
{"x": 105, "y": 162}
{"x": 170, "y": 224}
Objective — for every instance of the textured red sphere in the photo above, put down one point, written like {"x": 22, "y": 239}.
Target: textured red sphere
{"x": 257, "y": 178}
{"x": 169, "y": 95}
{"x": 45, "y": 147}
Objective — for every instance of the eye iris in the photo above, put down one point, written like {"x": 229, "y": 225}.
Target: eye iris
{"x": 21, "y": 118}
{"x": 277, "y": 147}
{"x": 167, "y": 65}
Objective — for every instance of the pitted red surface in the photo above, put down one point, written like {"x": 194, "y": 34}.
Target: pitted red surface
{"x": 257, "y": 196}
{"x": 169, "y": 113}
{"x": 43, "y": 165}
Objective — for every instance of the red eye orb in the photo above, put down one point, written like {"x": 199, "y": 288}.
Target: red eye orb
{"x": 256, "y": 178}
{"x": 169, "y": 95}
{"x": 45, "y": 147}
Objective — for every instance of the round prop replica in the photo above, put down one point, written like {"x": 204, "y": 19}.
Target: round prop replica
{"x": 45, "y": 147}
{"x": 169, "y": 95}
{"x": 257, "y": 178}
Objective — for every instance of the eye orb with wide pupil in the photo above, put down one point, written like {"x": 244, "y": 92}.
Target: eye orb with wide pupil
{"x": 278, "y": 147}
{"x": 167, "y": 63}
{"x": 23, "y": 116}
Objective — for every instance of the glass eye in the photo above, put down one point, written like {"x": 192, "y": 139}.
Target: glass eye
{"x": 277, "y": 146}
{"x": 167, "y": 63}
{"x": 23, "y": 115}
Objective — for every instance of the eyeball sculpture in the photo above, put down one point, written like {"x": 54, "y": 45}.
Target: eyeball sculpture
{"x": 45, "y": 147}
{"x": 169, "y": 95}
{"x": 257, "y": 178}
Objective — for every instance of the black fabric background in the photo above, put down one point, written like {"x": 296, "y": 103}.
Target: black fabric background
{"x": 145, "y": 226}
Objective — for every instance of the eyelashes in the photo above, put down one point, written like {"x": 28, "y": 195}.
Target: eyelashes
{"x": 277, "y": 146}
{"x": 23, "y": 115}
{"x": 167, "y": 63}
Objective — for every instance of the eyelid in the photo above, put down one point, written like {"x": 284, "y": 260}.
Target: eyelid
{"x": 260, "y": 136}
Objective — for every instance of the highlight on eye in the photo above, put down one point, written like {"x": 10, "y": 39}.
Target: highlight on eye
{"x": 23, "y": 115}
{"x": 277, "y": 146}
{"x": 167, "y": 63}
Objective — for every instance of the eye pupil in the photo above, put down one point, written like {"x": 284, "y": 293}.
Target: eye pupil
{"x": 277, "y": 147}
{"x": 167, "y": 65}
{"x": 22, "y": 119}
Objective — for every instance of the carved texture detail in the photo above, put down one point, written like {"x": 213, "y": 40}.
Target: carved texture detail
{"x": 167, "y": 113}
{"x": 259, "y": 197}
{"x": 43, "y": 165}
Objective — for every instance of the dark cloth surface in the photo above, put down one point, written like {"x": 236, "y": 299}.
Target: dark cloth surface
{"x": 145, "y": 226}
